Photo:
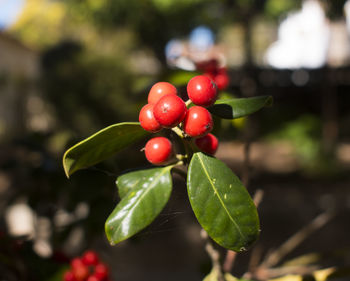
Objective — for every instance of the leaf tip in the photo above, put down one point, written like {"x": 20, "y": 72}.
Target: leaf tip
{"x": 67, "y": 165}
{"x": 269, "y": 101}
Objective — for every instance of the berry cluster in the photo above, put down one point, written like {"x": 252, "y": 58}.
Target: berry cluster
{"x": 87, "y": 268}
{"x": 165, "y": 109}
{"x": 218, "y": 74}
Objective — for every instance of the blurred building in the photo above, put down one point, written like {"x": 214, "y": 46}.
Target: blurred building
{"x": 20, "y": 105}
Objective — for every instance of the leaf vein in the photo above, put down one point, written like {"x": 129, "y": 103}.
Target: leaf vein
{"x": 218, "y": 195}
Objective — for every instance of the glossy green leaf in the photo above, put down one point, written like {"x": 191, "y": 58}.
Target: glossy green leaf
{"x": 144, "y": 194}
{"x": 235, "y": 108}
{"x": 130, "y": 181}
{"x": 221, "y": 203}
{"x": 101, "y": 145}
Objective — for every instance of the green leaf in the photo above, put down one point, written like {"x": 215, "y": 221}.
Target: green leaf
{"x": 221, "y": 203}
{"x": 144, "y": 194}
{"x": 101, "y": 145}
{"x": 236, "y": 108}
{"x": 130, "y": 181}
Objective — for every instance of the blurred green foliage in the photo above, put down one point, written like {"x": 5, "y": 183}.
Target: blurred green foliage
{"x": 87, "y": 90}
{"x": 276, "y": 8}
{"x": 304, "y": 134}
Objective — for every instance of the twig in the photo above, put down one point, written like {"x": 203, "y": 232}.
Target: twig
{"x": 246, "y": 162}
{"x": 280, "y": 271}
{"x": 213, "y": 254}
{"x": 229, "y": 260}
{"x": 275, "y": 256}
{"x": 254, "y": 261}
{"x": 258, "y": 196}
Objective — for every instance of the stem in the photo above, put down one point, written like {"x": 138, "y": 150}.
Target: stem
{"x": 188, "y": 102}
{"x": 213, "y": 254}
{"x": 297, "y": 239}
{"x": 178, "y": 131}
{"x": 180, "y": 157}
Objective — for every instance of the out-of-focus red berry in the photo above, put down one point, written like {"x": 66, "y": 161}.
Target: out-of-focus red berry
{"x": 81, "y": 272}
{"x": 208, "y": 66}
{"x": 93, "y": 278}
{"x": 101, "y": 271}
{"x": 90, "y": 258}
{"x": 222, "y": 79}
{"x": 76, "y": 262}
{"x": 69, "y": 276}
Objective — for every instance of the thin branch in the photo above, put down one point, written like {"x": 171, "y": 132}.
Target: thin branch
{"x": 295, "y": 240}
{"x": 229, "y": 260}
{"x": 258, "y": 197}
{"x": 213, "y": 254}
{"x": 255, "y": 259}
{"x": 246, "y": 162}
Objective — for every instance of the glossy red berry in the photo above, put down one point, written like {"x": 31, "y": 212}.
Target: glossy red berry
{"x": 159, "y": 90}
{"x": 101, "y": 271}
{"x": 202, "y": 90}
{"x": 90, "y": 258}
{"x": 147, "y": 120}
{"x": 169, "y": 111}
{"x": 208, "y": 143}
{"x": 158, "y": 150}
{"x": 69, "y": 276}
{"x": 198, "y": 122}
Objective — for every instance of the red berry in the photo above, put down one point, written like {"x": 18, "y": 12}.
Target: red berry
{"x": 69, "y": 276}
{"x": 101, "y": 271}
{"x": 198, "y": 122}
{"x": 158, "y": 150}
{"x": 169, "y": 111}
{"x": 202, "y": 90}
{"x": 159, "y": 90}
{"x": 208, "y": 144}
{"x": 76, "y": 262}
{"x": 93, "y": 278}
{"x": 90, "y": 258}
{"x": 81, "y": 272}
{"x": 208, "y": 66}
{"x": 222, "y": 79}
{"x": 210, "y": 75}
{"x": 147, "y": 120}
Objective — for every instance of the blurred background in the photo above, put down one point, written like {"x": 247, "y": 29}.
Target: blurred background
{"x": 69, "y": 68}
